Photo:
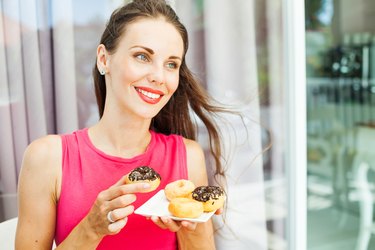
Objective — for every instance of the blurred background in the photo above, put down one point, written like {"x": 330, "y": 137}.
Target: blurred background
{"x": 239, "y": 52}
{"x": 340, "y": 69}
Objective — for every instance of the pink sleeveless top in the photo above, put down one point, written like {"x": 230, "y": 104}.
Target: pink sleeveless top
{"x": 86, "y": 171}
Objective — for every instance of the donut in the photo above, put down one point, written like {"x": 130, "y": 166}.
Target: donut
{"x": 185, "y": 208}
{"x": 144, "y": 174}
{"x": 179, "y": 189}
{"x": 212, "y": 197}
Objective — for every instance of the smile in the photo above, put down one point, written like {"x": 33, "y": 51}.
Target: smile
{"x": 148, "y": 95}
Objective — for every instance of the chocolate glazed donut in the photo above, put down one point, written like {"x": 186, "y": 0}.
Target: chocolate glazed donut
{"x": 144, "y": 174}
{"x": 212, "y": 197}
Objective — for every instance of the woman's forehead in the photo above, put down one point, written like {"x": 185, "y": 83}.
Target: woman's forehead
{"x": 154, "y": 33}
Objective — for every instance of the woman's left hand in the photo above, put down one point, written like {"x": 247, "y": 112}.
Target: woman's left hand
{"x": 172, "y": 225}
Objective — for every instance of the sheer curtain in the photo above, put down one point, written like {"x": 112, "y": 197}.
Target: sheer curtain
{"x": 223, "y": 55}
{"x": 37, "y": 85}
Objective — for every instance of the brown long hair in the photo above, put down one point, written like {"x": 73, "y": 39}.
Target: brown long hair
{"x": 175, "y": 117}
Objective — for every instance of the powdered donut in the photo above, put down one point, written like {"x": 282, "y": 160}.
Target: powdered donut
{"x": 144, "y": 174}
{"x": 212, "y": 197}
{"x": 185, "y": 208}
{"x": 179, "y": 189}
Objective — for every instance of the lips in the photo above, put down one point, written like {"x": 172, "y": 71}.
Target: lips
{"x": 149, "y": 95}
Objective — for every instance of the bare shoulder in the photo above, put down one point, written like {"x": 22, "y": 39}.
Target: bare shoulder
{"x": 194, "y": 152}
{"x": 195, "y": 162}
{"x": 38, "y": 191}
{"x": 43, "y": 150}
{"x": 45, "y": 142}
{"x": 42, "y": 162}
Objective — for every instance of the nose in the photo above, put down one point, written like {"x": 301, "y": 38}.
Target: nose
{"x": 156, "y": 75}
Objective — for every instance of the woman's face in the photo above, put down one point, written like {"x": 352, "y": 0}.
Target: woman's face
{"x": 143, "y": 73}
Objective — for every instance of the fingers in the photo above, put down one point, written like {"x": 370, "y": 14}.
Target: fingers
{"x": 123, "y": 200}
{"x": 219, "y": 211}
{"x": 166, "y": 223}
{"x": 121, "y": 213}
{"x": 117, "y": 191}
{"x": 117, "y": 226}
{"x": 189, "y": 225}
{"x": 117, "y": 202}
{"x": 172, "y": 225}
{"x": 158, "y": 222}
{"x": 120, "y": 182}
{"x": 134, "y": 187}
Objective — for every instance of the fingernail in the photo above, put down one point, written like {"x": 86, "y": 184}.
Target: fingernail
{"x": 146, "y": 185}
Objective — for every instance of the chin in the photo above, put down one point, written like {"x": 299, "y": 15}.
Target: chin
{"x": 149, "y": 115}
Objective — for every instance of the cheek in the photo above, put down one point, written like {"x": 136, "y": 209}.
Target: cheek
{"x": 131, "y": 73}
{"x": 173, "y": 84}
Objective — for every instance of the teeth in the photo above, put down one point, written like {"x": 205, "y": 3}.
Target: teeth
{"x": 149, "y": 94}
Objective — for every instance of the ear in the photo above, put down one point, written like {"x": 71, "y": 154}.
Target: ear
{"x": 102, "y": 59}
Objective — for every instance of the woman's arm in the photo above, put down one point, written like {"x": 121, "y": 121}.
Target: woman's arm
{"x": 37, "y": 194}
{"x": 203, "y": 236}
{"x": 192, "y": 235}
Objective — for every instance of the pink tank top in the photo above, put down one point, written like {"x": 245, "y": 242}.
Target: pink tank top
{"x": 86, "y": 171}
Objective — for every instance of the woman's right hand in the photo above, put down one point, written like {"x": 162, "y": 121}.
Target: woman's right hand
{"x": 116, "y": 200}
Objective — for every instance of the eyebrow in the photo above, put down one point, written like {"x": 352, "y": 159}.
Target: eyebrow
{"x": 149, "y": 50}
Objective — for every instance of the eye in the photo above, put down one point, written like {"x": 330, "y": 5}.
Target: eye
{"x": 172, "y": 65}
{"x": 142, "y": 57}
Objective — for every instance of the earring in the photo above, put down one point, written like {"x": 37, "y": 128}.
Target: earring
{"x": 102, "y": 72}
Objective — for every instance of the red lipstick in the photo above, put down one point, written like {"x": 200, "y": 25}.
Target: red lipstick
{"x": 151, "y": 96}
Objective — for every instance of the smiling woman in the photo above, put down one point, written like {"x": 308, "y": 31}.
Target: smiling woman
{"x": 238, "y": 51}
{"x": 72, "y": 187}
{"x": 142, "y": 70}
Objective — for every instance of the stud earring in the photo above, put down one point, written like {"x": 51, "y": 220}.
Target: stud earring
{"x": 102, "y": 72}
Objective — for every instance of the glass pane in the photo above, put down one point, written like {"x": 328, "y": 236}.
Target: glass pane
{"x": 340, "y": 64}
{"x": 270, "y": 58}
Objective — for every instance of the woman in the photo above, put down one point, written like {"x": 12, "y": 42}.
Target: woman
{"x": 71, "y": 187}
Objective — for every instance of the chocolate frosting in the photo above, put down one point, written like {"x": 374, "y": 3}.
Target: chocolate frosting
{"x": 205, "y": 193}
{"x": 143, "y": 173}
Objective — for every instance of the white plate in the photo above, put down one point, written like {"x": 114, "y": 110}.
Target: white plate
{"x": 158, "y": 205}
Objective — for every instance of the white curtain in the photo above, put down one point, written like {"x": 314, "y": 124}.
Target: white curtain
{"x": 223, "y": 54}
{"x": 64, "y": 67}
{"x": 37, "y": 85}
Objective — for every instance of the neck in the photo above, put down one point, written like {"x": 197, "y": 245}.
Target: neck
{"x": 121, "y": 137}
